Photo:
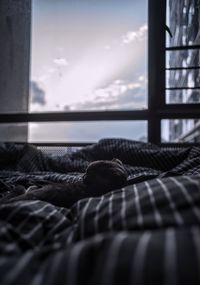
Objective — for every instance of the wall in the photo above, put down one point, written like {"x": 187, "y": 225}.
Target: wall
{"x": 15, "y": 21}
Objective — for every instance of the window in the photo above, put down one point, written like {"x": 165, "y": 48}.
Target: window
{"x": 181, "y": 130}
{"x": 86, "y": 132}
{"x": 95, "y": 83}
{"x": 183, "y": 70}
{"x": 88, "y": 55}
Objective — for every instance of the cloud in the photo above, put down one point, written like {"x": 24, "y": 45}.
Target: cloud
{"x": 47, "y": 74}
{"x": 37, "y": 94}
{"x": 132, "y": 36}
{"x": 119, "y": 95}
{"x": 60, "y": 61}
{"x": 107, "y": 47}
{"x": 67, "y": 108}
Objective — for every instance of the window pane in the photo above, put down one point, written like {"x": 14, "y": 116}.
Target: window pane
{"x": 181, "y": 130}
{"x": 86, "y": 131}
{"x": 182, "y": 96}
{"x": 14, "y": 132}
{"x": 88, "y": 55}
{"x": 183, "y": 58}
{"x": 183, "y": 21}
{"x": 72, "y": 131}
{"x": 183, "y": 86}
{"x": 183, "y": 63}
{"x": 183, "y": 79}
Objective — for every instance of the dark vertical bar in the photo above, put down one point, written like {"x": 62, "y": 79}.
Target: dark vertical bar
{"x": 15, "y": 23}
{"x": 156, "y": 66}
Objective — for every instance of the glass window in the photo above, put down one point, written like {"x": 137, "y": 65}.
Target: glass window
{"x": 183, "y": 21}
{"x": 182, "y": 96}
{"x": 88, "y": 55}
{"x": 13, "y": 132}
{"x": 78, "y": 132}
{"x": 180, "y": 130}
{"x": 86, "y": 131}
{"x": 183, "y": 62}
{"x": 183, "y": 58}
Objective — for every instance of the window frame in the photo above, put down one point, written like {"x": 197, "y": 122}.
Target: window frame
{"x": 157, "y": 108}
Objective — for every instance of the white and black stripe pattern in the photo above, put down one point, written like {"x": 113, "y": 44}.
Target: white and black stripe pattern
{"x": 134, "y": 256}
{"x": 154, "y": 204}
{"x": 145, "y": 233}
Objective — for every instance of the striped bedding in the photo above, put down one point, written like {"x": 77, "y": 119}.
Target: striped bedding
{"x": 145, "y": 233}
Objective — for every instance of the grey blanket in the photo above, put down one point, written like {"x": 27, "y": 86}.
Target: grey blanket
{"x": 145, "y": 233}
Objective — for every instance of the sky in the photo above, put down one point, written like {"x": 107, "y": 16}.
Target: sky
{"x": 88, "y": 55}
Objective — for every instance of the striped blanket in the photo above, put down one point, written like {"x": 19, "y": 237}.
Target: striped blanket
{"x": 145, "y": 233}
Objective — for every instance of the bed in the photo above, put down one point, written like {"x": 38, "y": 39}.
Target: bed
{"x": 147, "y": 232}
